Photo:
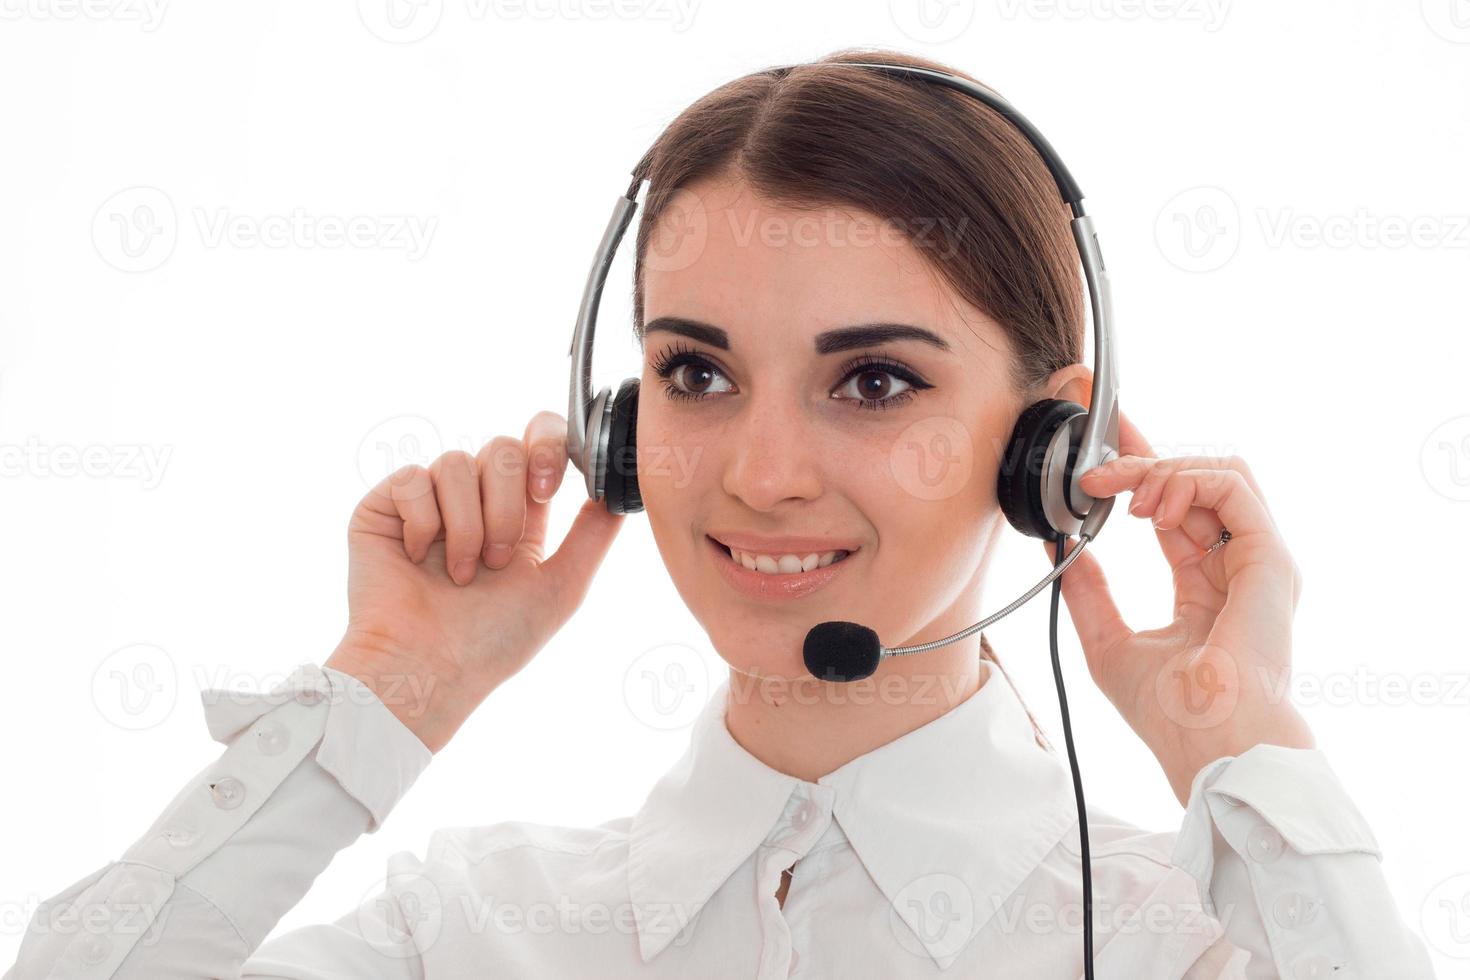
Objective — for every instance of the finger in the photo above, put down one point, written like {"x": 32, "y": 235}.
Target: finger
{"x": 411, "y": 489}
{"x": 1147, "y": 494}
{"x": 546, "y": 461}
{"x": 1100, "y": 626}
{"x": 457, "y": 489}
{"x": 571, "y": 568}
{"x": 1223, "y": 491}
{"x": 546, "y": 452}
{"x": 502, "y": 497}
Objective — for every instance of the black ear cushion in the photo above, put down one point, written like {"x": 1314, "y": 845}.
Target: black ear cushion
{"x": 1019, "y": 484}
{"x": 620, "y": 483}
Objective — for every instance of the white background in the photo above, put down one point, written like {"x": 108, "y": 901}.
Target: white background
{"x": 1249, "y": 166}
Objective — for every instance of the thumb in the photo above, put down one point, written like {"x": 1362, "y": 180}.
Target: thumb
{"x": 1096, "y": 617}
{"x": 571, "y": 568}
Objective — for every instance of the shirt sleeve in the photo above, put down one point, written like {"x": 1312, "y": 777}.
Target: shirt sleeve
{"x": 1287, "y": 863}
{"x": 308, "y": 768}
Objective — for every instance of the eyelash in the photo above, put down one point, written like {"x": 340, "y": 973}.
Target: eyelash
{"x": 678, "y": 355}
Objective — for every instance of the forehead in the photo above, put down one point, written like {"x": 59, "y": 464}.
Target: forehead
{"x": 724, "y": 254}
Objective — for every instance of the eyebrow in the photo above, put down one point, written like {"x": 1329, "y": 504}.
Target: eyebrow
{"x": 827, "y": 342}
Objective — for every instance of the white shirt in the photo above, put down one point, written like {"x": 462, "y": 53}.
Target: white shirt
{"x": 950, "y": 851}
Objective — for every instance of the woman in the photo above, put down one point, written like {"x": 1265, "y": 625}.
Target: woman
{"x": 907, "y": 824}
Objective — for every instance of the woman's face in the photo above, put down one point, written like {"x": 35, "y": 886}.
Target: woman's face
{"x": 769, "y": 421}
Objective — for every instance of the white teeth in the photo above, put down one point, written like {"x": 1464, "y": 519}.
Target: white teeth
{"x": 783, "y": 564}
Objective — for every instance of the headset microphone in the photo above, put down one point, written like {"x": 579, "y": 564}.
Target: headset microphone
{"x": 838, "y": 651}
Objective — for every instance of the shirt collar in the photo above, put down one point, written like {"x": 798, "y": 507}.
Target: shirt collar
{"x": 969, "y": 803}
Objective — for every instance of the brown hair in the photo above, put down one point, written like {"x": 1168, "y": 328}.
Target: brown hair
{"x": 913, "y": 153}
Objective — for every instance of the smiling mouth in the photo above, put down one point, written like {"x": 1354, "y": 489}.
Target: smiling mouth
{"x": 780, "y": 565}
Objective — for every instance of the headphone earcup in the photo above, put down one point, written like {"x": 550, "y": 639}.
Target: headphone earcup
{"x": 620, "y": 482}
{"x": 1028, "y": 456}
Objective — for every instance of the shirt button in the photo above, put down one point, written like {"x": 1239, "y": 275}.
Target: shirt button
{"x": 1293, "y": 909}
{"x": 93, "y": 948}
{"x": 1313, "y": 968}
{"x": 272, "y": 738}
{"x": 804, "y": 813}
{"x": 1264, "y": 844}
{"x": 308, "y": 696}
{"x": 228, "y": 792}
{"x": 181, "y": 835}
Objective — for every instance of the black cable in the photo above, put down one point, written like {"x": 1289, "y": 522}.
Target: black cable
{"x": 1056, "y": 669}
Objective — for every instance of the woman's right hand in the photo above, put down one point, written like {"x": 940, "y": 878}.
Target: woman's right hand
{"x": 449, "y": 591}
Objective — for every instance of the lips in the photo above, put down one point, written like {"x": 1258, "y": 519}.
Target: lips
{"x": 778, "y": 584}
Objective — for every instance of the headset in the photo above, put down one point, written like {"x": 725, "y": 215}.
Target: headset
{"x": 1054, "y": 441}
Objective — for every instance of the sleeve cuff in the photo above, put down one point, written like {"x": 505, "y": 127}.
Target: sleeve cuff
{"x": 363, "y": 745}
{"x": 1292, "y": 790}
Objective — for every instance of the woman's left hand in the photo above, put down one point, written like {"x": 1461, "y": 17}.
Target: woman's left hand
{"x": 1213, "y": 682}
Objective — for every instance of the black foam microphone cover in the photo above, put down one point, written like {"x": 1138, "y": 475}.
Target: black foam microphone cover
{"x": 841, "y": 651}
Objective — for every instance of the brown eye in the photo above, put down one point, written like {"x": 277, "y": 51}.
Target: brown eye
{"x": 873, "y": 384}
{"x": 695, "y": 378}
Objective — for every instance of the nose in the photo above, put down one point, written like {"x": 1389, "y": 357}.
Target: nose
{"x": 773, "y": 456}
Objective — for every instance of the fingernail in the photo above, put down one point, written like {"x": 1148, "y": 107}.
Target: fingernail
{"x": 541, "y": 487}
{"x": 463, "y": 569}
{"x": 497, "y": 555}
